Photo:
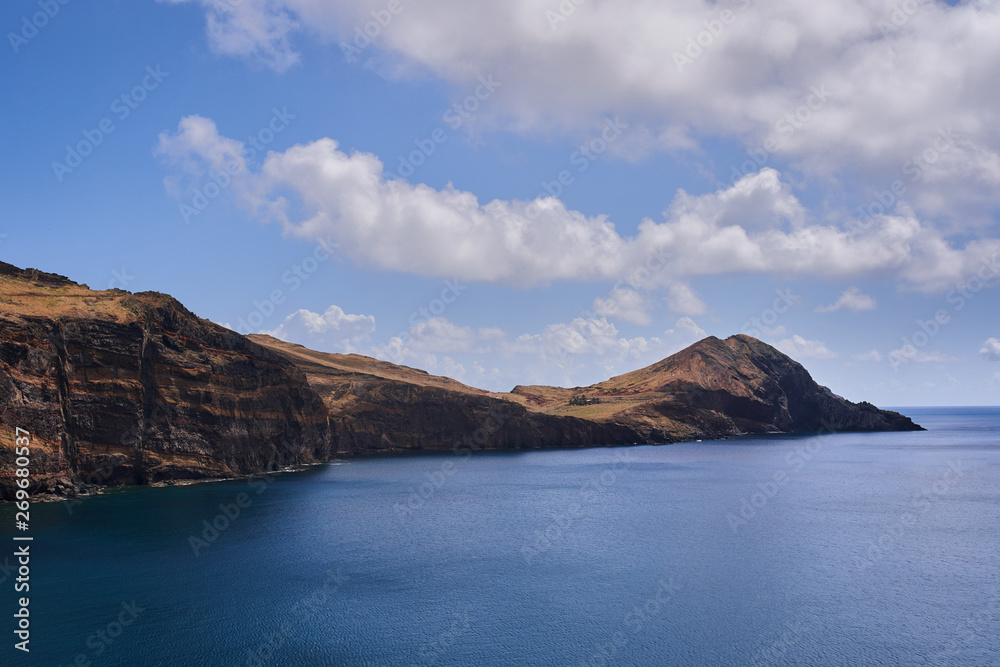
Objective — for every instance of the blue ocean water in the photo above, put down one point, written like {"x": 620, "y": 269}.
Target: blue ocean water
{"x": 847, "y": 549}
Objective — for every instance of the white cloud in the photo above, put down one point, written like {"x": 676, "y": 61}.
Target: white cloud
{"x": 910, "y": 353}
{"x": 779, "y": 330}
{"x": 332, "y": 331}
{"x": 884, "y": 93}
{"x": 317, "y": 191}
{"x": 624, "y": 304}
{"x": 798, "y": 347}
{"x": 585, "y": 349}
{"x": 852, "y": 300}
{"x": 582, "y": 336}
{"x": 991, "y": 349}
{"x": 196, "y": 150}
{"x": 255, "y": 29}
{"x": 684, "y": 300}
{"x": 873, "y": 356}
{"x": 452, "y": 369}
{"x": 688, "y": 326}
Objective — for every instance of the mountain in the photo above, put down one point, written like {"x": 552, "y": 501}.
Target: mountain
{"x": 118, "y": 388}
{"x": 717, "y": 388}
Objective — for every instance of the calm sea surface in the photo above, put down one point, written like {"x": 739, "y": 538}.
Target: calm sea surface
{"x": 851, "y": 549}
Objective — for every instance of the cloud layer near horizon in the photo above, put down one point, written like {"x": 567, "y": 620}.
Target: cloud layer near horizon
{"x": 862, "y": 86}
{"x": 756, "y": 225}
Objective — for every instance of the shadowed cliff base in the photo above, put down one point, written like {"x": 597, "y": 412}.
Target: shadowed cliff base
{"x": 117, "y": 388}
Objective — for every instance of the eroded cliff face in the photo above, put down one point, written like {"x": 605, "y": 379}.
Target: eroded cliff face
{"x": 116, "y": 388}
{"x": 739, "y": 385}
{"x": 380, "y": 408}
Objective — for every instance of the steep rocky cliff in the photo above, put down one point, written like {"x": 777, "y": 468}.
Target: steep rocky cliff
{"x": 716, "y": 388}
{"x": 380, "y": 408}
{"x": 116, "y": 388}
{"x": 120, "y": 388}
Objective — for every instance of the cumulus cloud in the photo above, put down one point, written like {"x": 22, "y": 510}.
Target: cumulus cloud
{"x": 852, "y": 300}
{"x": 196, "y": 150}
{"x": 330, "y": 331}
{"x": 684, "y": 300}
{"x": 798, "y": 347}
{"x": 438, "y": 335}
{"x": 774, "y": 332}
{"x": 260, "y": 30}
{"x": 861, "y": 85}
{"x": 624, "y": 304}
{"x": 562, "y": 352}
{"x": 452, "y": 368}
{"x": 689, "y": 327}
{"x": 991, "y": 349}
{"x": 910, "y": 353}
{"x": 586, "y": 349}
{"x": 317, "y": 191}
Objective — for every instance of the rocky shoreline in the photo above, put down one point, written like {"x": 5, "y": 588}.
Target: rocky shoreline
{"x": 119, "y": 389}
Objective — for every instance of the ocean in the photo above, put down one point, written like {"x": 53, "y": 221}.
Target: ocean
{"x": 838, "y": 549}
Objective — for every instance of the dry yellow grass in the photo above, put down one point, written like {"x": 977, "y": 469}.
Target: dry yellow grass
{"x": 21, "y": 297}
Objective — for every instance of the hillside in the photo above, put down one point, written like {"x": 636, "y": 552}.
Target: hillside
{"x": 119, "y": 388}
{"x": 717, "y": 387}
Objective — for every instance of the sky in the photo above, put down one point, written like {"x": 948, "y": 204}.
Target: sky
{"x": 530, "y": 191}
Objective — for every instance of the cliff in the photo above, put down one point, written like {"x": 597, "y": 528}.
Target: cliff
{"x": 116, "y": 388}
{"x": 377, "y": 407}
{"x": 717, "y": 388}
{"x": 119, "y": 388}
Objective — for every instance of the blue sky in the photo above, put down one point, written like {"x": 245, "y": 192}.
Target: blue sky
{"x": 713, "y": 157}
